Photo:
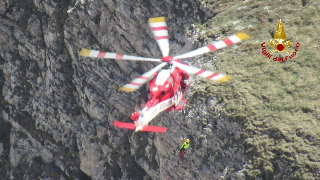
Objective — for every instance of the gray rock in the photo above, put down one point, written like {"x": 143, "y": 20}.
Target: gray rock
{"x": 1, "y": 149}
{"x": 61, "y": 107}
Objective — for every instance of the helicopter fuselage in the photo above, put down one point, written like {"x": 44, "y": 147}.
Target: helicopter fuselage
{"x": 165, "y": 93}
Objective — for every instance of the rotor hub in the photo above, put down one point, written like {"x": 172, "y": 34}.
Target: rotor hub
{"x": 167, "y": 58}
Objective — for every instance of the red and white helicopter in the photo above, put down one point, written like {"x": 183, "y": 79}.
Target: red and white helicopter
{"x": 170, "y": 78}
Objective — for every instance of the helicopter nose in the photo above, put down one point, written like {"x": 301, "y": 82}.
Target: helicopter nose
{"x": 167, "y": 58}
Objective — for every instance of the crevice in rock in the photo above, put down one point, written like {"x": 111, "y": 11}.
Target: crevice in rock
{"x": 304, "y": 2}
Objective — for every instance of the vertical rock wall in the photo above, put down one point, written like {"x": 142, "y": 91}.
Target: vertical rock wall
{"x": 57, "y": 109}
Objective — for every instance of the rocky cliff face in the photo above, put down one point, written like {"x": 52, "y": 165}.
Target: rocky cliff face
{"x": 57, "y": 109}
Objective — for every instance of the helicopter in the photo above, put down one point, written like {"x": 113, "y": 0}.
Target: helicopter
{"x": 169, "y": 80}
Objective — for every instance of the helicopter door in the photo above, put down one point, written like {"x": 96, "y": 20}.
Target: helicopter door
{"x": 180, "y": 105}
{"x": 177, "y": 95}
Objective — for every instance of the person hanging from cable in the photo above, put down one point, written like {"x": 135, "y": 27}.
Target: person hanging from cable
{"x": 183, "y": 148}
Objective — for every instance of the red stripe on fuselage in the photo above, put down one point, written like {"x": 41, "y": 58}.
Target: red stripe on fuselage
{"x": 159, "y": 28}
{"x": 211, "y": 47}
{"x": 119, "y": 56}
{"x": 199, "y": 72}
{"x": 142, "y": 77}
{"x": 212, "y": 75}
{"x": 228, "y": 41}
{"x": 161, "y": 37}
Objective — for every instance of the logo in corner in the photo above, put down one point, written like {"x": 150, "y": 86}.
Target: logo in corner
{"x": 279, "y": 44}
{"x": 280, "y": 36}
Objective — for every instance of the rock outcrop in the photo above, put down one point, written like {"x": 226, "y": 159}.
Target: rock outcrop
{"x": 57, "y": 109}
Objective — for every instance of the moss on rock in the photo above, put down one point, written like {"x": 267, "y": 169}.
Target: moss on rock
{"x": 278, "y": 103}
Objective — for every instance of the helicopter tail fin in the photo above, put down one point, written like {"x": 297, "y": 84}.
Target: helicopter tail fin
{"x": 124, "y": 125}
{"x": 154, "y": 129}
{"x": 145, "y": 128}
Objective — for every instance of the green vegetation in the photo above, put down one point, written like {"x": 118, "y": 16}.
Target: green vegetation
{"x": 278, "y": 103}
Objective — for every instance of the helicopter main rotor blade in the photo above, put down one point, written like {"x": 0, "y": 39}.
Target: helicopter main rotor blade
{"x": 202, "y": 73}
{"x": 233, "y": 39}
{"x": 108, "y": 55}
{"x": 138, "y": 82}
{"x": 159, "y": 28}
